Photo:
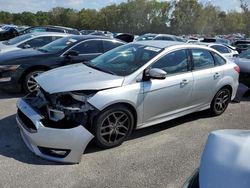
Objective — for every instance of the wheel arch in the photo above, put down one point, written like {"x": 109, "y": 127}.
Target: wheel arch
{"x": 128, "y": 105}
{"x": 33, "y": 68}
{"x": 229, "y": 87}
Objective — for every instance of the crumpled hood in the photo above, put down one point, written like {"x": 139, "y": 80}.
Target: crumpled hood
{"x": 77, "y": 77}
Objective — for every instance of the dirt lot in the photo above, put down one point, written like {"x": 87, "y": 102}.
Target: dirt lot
{"x": 164, "y": 155}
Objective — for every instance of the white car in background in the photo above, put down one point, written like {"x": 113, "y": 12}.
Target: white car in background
{"x": 30, "y": 40}
{"x": 226, "y": 50}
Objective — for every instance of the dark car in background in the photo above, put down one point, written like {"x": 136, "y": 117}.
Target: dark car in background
{"x": 8, "y": 32}
{"x": 50, "y": 28}
{"x": 18, "y": 68}
{"x": 245, "y": 54}
{"x": 242, "y": 45}
{"x": 126, "y": 37}
{"x": 244, "y": 63}
{"x": 216, "y": 40}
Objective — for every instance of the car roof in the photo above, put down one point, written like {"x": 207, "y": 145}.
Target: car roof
{"x": 86, "y": 37}
{"x": 210, "y": 44}
{"x": 48, "y": 34}
{"x": 165, "y": 35}
{"x": 159, "y": 43}
{"x": 59, "y": 27}
{"x": 167, "y": 44}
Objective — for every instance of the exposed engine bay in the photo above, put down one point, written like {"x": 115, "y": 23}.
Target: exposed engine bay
{"x": 62, "y": 110}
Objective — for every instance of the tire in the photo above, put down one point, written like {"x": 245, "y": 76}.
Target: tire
{"x": 220, "y": 102}
{"x": 113, "y": 126}
{"x": 29, "y": 84}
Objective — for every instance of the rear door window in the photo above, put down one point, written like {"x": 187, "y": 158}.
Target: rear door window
{"x": 202, "y": 59}
{"x": 218, "y": 59}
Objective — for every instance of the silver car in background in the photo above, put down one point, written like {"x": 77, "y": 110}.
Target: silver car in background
{"x": 130, "y": 87}
{"x": 30, "y": 40}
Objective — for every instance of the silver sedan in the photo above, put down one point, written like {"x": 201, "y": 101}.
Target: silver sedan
{"x": 133, "y": 86}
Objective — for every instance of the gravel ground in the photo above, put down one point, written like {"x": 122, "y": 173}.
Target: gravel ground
{"x": 164, "y": 155}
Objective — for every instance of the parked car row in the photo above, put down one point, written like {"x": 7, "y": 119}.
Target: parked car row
{"x": 50, "y": 28}
{"x": 10, "y": 31}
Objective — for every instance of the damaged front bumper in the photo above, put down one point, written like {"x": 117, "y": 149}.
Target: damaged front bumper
{"x": 62, "y": 145}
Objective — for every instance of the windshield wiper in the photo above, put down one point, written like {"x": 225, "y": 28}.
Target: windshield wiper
{"x": 87, "y": 63}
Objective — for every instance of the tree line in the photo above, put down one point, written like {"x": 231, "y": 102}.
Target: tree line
{"x": 143, "y": 16}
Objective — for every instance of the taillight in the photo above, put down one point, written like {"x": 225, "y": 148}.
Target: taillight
{"x": 237, "y": 69}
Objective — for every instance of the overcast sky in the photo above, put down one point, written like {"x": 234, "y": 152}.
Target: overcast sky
{"x": 45, "y": 5}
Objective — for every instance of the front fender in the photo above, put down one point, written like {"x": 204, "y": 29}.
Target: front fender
{"x": 130, "y": 94}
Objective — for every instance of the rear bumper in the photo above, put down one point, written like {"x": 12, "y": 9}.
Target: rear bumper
{"x": 44, "y": 141}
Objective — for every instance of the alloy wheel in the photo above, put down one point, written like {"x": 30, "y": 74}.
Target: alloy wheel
{"x": 31, "y": 83}
{"x": 115, "y": 127}
{"x": 222, "y": 100}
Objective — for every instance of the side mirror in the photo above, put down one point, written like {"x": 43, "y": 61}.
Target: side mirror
{"x": 156, "y": 73}
{"x": 26, "y": 46}
{"x": 71, "y": 53}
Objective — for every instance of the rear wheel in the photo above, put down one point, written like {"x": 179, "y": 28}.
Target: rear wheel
{"x": 220, "y": 102}
{"x": 29, "y": 82}
{"x": 113, "y": 126}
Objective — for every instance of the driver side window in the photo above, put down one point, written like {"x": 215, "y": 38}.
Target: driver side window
{"x": 173, "y": 63}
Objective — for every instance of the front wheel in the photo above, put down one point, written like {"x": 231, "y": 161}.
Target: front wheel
{"x": 113, "y": 126}
{"x": 220, "y": 102}
{"x": 29, "y": 82}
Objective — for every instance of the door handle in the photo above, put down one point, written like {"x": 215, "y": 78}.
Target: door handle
{"x": 216, "y": 75}
{"x": 184, "y": 82}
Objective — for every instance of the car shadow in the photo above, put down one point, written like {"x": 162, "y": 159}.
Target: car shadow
{"x": 157, "y": 128}
{"x": 12, "y": 146}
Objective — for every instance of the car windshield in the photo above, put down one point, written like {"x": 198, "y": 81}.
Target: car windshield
{"x": 58, "y": 45}
{"x": 124, "y": 60}
{"x": 245, "y": 54}
{"x": 18, "y": 39}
